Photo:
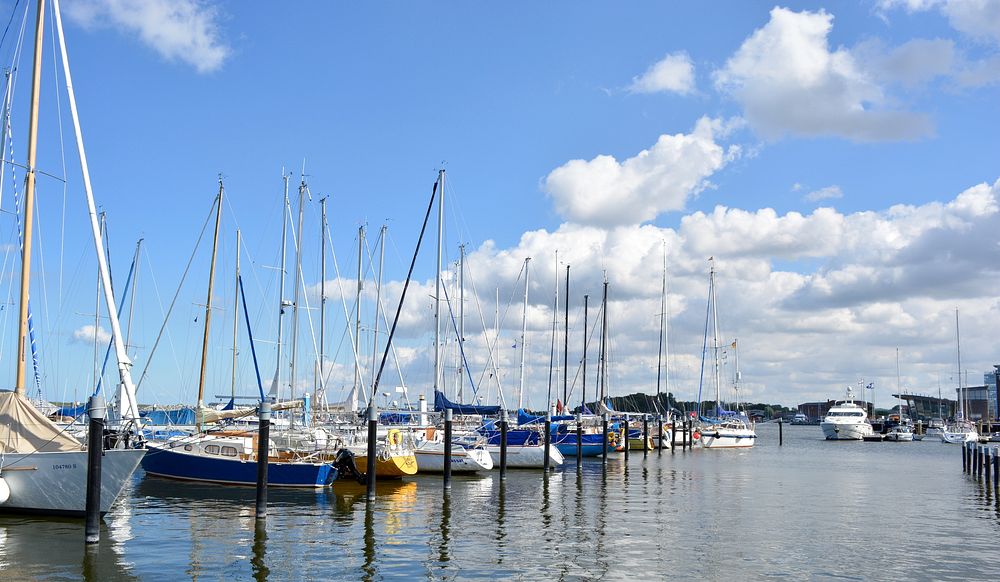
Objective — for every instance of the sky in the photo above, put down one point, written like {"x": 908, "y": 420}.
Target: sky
{"x": 836, "y": 160}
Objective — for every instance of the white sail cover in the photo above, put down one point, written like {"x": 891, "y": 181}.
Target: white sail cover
{"x": 23, "y": 429}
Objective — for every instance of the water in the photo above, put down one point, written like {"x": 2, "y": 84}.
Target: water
{"x": 810, "y": 509}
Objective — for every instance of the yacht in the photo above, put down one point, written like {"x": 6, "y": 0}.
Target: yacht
{"x": 846, "y": 421}
{"x": 900, "y": 433}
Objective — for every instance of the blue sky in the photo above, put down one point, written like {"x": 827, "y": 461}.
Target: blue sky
{"x": 881, "y": 113}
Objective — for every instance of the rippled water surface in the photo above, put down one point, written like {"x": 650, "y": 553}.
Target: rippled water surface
{"x": 809, "y": 509}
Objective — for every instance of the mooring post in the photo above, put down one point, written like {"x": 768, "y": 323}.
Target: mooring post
{"x": 625, "y": 435}
{"x": 965, "y": 457}
{"x": 781, "y": 432}
{"x": 645, "y": 436}
{"x": 372, "y": 441}
{"x": 263, "y": 442}
{"x": 503, "y": 445}
{"x": 604, "y": 431}
{"x": 659, "y": 439}
{"x": 547, "y": 440}
{"x": 688, "y": 435}
{"x": 447, "y": 448}
{"x": 579, "y": 441}
{"x": 95, "y": 451}
{"x": 986, "y": 466}
{"x": 996, "y": 469}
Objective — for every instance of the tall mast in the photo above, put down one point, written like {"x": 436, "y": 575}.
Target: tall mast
{"x": 97, "y": 310}
{"x": 135, "y": 285}
{"x": 295, "y": 293}
{"x": 378, "y": 299}
{"x": 524, "y": 333}
{"x": 602, "y": 375}
{"x": 29, "y": 202}
{"x": 958, "y": 343}
{"x": 565, "y": 397}
{"x": 322, "y": 297}
{"x": 663, "y": 326}
{"x": 461, "y": 321}
{"x": 583, "y": 401}
{"x": 715, "y": 336}
{"x": 208, "y": 301}
{"x": 357, "y": 311}
{"x": 285, "y": 211}
{"x": 236, "y": 312}
{"x": 437, "y": 286}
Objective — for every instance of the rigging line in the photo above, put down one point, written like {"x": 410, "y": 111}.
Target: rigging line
{"x": 9, "y": 20}
{"x": 62, "y": 156}
{"x": 593, "y": 330}
{"x": 496, "y": 340}
{"x": 461, "y": 348}
{"x": 253, "y": 350}
{"x": 381, "y": 309}
{"x": 305, "y": 297}
{"x": 343, "y": 301}
{"x": 173, "y": 302}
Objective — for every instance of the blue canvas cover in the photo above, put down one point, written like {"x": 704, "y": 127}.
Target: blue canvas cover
{"x": 441, "y": 403}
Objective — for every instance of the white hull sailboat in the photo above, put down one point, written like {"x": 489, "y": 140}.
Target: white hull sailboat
{"x": 42, "y": 468}
{"x": 430, "y": 458}
{"x": 727, "y": 435}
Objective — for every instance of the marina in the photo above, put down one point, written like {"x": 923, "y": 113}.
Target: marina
{"x": 501, "y": 317}
{"x": 665, "y": 515}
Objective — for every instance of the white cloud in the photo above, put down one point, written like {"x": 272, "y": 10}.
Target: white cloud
{"x": 978, "y": 19}
{"x": 789, "y": 82}
{"x": 827, "y": 193}
{"x": 674, "y": 73}
{"x": 912, "y": 63}
{"x": 604, "y": 191}
{"x": 179, "y": 30}
{"x": 85, "y": 335}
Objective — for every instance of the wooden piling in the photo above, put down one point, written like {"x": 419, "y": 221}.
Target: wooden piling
{"x": 503, "y": 446}
{"x": 579, "y": 441}
{"x": 604, "y": 429}
{"x": 263, "y": 440}
{"x": 645, "y": 436}
{"x": 95, "y": 451}
{"x": 447, "y": 448}
{"x": 659, "y": 438}
{"x": 372, "y": 441}
{"x": 781, "y": 432}
{"x": 547, "y": 439}
{"x": 965, "y": 457}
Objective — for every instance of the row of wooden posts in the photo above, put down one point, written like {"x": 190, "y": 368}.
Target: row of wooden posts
{"x": 982, "y": 462}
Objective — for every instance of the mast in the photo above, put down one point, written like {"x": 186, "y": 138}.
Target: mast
{"x": 29, "y": 203}
{"x": 322, "y": 299}
{"x": 524, "y": 330}
{"x": 583, "y": 401}
{"x": 126, "y": 390}
{"x": 208, "y": 302}
{"x": 285, "y": 211}
{"x": 236, "y": 313}
{"x": 565, "y": 397}
{"x": 378, "y": 299}
{"x": 663, "y": 327}
{"x": 461, "y": 320}
{"x": 135, "y": 284}
{"x": 97, "y": 310}
{"x": 715, "y": 336}
{"x": 357, "y": 313}
{"x": 295, "y": 294}
{"x": 958, "y": 343}
{"x": 602, "y": 374}
{"x": 437, "y": 286}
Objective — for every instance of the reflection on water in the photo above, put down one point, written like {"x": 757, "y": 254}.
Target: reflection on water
{"x": 812, "y": 504}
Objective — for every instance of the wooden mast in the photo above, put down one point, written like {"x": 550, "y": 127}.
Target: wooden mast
{"x": 29, "y": 202}
{"x": 208, "y": 305}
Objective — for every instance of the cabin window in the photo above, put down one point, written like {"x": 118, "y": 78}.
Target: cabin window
{"x": 229, "y": 451}
{"x": 188, "y": 448}
{"x": 212, "y": 449}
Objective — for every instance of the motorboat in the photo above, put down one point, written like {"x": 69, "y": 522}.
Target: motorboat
{"x": 730, "y": 433}
{"x": 899, "y": 433}
{"x": 846, "y": 421}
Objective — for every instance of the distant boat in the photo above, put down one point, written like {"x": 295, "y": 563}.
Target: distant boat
{"x": 846, "y": 421}
{"x": 961, "y": 430}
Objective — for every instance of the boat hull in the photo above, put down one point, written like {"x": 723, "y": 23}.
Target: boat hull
{"x": 396, "y": 466}
{"x": 845, "y": 431}
{"x": 55, "y": 483}
{"x": 955, "y": 438}
{"x": 526, "y": 457}
{"x": 727, "y": 438}
{"x": 430, "y": 459}
{"x": 174, "y": 464}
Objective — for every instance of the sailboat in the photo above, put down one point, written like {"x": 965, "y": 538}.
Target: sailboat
{"x": 42, "y": 469}
{"x": 229, "y": 456}
{"x": 961, "y": 429}
{"x": 902, "y": 431}
{"x": 726, "y": 429}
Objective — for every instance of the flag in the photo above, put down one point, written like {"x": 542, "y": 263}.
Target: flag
{"x": 559, "y": 406}
{"x": 734, "y": 344}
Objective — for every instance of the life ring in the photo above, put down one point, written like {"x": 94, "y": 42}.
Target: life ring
{"x": 696, "y": 435}
{"x": 394, "y": 438}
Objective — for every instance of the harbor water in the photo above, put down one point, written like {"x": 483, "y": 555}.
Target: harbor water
{"x": 809, "y": 509}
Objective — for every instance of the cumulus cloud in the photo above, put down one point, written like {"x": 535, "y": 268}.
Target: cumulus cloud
{"x": 606, "y": 192}
{"x": 179, "y": 30}
{"x": 913, "y": 63}
{"x": 674, "y": 73}
{"x": 978, "y": 19}
{"x": 827, "y": 193}
{"x": 789, "y": 81}
{"x": 86, "y": 335}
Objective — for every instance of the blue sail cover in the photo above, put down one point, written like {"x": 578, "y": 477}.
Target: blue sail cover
{"x": 181, "y": 416}
{"x": 525, "y": 418}
{"x": 71, "y": 411}
{"x": 441, "y": 403}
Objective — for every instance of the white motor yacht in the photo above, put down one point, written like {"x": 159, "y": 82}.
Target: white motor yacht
{"x": 846, "y": 421}
{"x": 899, "y": 433}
